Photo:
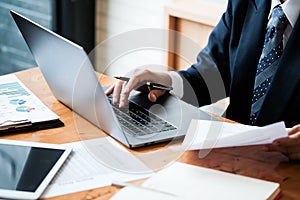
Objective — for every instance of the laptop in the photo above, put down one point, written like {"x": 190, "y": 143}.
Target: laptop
{"x": 73, "y": 81}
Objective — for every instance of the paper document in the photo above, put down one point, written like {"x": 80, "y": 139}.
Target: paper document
{"x": 83, "y": 171}
{"x": 217, "y": 108}
{"x": 192, "y": 182}
{"x": 203, "y": 134}
{"x": 19, "y": 105}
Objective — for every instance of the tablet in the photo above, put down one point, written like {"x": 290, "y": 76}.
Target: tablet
{"x": 26, "y": 168}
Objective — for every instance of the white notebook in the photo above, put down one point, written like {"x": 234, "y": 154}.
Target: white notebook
{"x": 185, "y": 181}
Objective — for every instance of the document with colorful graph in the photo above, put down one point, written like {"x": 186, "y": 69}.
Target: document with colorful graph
{"x": 20, "y": 109}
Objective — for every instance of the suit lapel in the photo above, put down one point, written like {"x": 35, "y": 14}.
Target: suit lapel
{"x": 285, "y": 81}
{"x": 261, "y": 4}
{"x": 245, "y": 64}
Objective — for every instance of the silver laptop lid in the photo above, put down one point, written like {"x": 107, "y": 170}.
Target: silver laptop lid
{"x": 72, "y": 79}
{"x": 70, "y": 75}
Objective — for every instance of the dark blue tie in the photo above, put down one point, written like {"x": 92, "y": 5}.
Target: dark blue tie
{"x": 269, "y": 59}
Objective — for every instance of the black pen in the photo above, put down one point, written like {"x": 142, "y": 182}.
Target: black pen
{"x": 150, "y": 84}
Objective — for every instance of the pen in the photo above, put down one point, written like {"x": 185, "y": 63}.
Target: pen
{"x": 150, "y": 84}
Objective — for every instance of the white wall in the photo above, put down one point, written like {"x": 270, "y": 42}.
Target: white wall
{"x": 117, "y": 17}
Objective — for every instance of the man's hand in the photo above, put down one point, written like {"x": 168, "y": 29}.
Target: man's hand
{"x": 121, "y": 89}
{"x": 289, "y": 146}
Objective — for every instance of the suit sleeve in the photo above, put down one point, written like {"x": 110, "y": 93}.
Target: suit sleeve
{"x": 208, "y": 80}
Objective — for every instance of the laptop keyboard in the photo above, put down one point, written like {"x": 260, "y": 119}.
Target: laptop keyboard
{"x": 136, "y": 120}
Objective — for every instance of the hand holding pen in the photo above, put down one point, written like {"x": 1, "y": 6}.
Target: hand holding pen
{"x": 160, "y": 84}
{"x": 149, "y": 84}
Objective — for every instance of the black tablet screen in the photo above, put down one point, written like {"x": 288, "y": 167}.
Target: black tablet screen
{"x": 23, "y": 168}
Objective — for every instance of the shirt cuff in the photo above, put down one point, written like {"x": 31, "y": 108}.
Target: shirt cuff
{"x": 177, "y": 84}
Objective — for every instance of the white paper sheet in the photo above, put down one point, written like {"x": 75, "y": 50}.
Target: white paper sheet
{"x": 204, "y": 134}
{"x": 83, "y": 171}
{"x": 217, "y": 108}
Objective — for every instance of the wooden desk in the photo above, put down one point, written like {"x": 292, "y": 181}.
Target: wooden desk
{"x": 248, "y": 161}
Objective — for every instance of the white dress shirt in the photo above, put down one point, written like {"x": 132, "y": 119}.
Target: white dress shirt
{"x": 291, "y": 9}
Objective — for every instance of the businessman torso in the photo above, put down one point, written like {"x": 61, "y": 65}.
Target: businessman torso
{"x": 235, "y": 46}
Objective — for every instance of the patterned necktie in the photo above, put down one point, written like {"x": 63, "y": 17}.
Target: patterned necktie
{"x": 269, "y": 59}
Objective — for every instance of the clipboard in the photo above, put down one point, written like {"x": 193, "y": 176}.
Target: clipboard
{"x": 21, "y": 110}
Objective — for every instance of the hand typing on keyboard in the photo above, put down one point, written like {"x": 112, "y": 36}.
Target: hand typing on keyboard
{"x": 137, "y": 121}
{"x": 121, "y": 89}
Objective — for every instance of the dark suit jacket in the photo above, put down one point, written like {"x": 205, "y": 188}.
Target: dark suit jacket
{"x": 233, "y": 51}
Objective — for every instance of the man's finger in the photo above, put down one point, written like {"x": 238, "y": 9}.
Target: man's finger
{"x": 276, "y": 148}
{"x": 154, "y": 94}
{"x": 124, "y": 95}
{"x": 110, "y": 90}
{"x": 291, "y": 140}
{"x": 137, "y": 77}
{"x": 287, "y": 150}
{"x": 294, "y": 130}
{"x": 117, "y": 91}
{"x": 135, "y": 80}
